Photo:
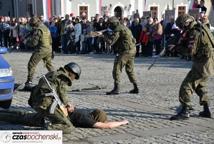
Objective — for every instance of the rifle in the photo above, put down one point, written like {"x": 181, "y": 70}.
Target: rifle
{"x": 56, "y": 101}
{"x": 95, "y": 87}
{"x": 157, "y": 57}
{"x": 97, "y": 33}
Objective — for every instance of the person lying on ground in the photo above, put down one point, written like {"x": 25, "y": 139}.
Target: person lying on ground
{"x": 79, "y": 118}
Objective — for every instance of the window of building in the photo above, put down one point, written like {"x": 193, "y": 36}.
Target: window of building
{"x": 181, "y": 10}
{"x": 83, "y": 11}
{"x": 154, "y": 11}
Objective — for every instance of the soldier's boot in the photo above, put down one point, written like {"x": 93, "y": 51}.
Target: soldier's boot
{"x": 135, "y": 90}
{"x": 28, "y": 86}
{"x": 115, "y": 90}
{"x": 206, "y": 112}
{"x": 184, "y": 114}
{"x": 28, "y": 83}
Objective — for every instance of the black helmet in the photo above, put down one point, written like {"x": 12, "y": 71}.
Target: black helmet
{"x": 184, "y": 20}
{"x": 34, "y": 22}
{"x": 74, "y": 68}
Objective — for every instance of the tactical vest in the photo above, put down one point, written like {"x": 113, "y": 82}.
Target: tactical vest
{"x": 45, "y": 40}
{"x": 37, "y": 99}
{"x": 126, "y": 42}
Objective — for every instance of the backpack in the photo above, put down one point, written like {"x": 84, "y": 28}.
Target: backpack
{"x": 201, "y": 27}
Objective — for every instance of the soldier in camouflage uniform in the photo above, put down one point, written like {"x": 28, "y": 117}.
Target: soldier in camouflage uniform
{"x": 42, "y": 102}
{"x": 200, "y": 44}
{"x": 40, "y": 40}
{"x": 124, "y": 45}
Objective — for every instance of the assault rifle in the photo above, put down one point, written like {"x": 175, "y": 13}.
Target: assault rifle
{"x": 98, "y": 33}
{"x": 156, "y": 58}
{"x": 94, "y": 87}
{"x": 162, "y": 53}
{"x": 56, "y": 101}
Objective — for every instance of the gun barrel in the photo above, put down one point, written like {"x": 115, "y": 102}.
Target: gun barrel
{"x": 97, "y": 33}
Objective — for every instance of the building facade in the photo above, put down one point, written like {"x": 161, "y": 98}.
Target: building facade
{"x": 88, "y": 8}
{"x": 21, "y": 8}
{"x": 123, "y": 8}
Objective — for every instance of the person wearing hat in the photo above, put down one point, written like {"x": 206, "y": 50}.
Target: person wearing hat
{"x": 123, "y": 44}
{"x": 42, "y": 98}
{"x": 196, "y": 40}
{"x": 61, "y": 118}
{"x": 40, "y": 39}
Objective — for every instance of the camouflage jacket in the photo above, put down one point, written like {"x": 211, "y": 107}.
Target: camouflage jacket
{"x": 199, "y": 43}
{"x": 122, "y": 40}
{"x": 40, "y": 39}
{"x": 59, "y": 81}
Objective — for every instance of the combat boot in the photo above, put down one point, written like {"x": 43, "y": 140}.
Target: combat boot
{"x": 28, "y": 86}
{"x": 206, "y": 112}
{"x": 184, "y": 114}
{"x": 135, "y": 90}
{"x": 114, "y": 91}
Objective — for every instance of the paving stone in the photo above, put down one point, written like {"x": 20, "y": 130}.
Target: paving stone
{"x": 148, "y": 112}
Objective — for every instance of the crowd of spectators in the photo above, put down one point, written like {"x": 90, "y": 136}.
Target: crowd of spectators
{"x": 70, "y": 34}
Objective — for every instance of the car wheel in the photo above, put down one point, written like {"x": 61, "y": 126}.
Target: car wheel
{"x": 5, "y": 104}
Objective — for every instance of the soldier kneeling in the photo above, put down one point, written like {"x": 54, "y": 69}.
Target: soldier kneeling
{"x": 49, "y": 97}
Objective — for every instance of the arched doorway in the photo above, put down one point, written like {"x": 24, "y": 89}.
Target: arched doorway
{"x": 118, "y": 12}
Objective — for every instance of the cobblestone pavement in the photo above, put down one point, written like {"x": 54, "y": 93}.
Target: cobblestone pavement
{"x": 148, "y": 112}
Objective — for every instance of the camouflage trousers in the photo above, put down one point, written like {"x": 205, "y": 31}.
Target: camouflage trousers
{"x": 35, "y": 59}
{"x": 22, "y": 117}
{"x": 120, "y": 61}
{"x": 193, "y": 82}
{"x": 58, "y": 122}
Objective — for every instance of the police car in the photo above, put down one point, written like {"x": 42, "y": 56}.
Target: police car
{"x": 6, "y": 81}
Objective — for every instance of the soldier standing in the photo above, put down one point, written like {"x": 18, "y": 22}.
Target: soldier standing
{"x": 200, "y": 46}
{"x": 42, "y": 98}
{"x": 124, "y": 45}
{"x": 40, "y": 40}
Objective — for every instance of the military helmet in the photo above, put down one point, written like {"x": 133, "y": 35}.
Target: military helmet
{"x": 74, "y": 68}
{"x": 113, "y": 22}
{"x": 114, "y": 19}
{"x": 34, "y": 22}
{"x": 184, "y": 20}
